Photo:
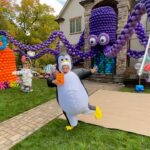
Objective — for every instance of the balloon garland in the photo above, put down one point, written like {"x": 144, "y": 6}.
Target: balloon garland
{"x": 132, "y": 26}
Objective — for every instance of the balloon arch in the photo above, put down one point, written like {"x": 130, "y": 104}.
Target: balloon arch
{"x": 132, "y": 26}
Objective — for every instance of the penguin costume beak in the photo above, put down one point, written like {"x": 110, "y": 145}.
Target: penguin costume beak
{"x": 65, "y": 62}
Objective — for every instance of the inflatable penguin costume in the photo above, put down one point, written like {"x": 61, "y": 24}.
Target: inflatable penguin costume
{"x": 72, "y": 95}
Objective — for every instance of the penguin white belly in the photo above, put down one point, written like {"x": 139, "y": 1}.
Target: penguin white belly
{"x": 72, "y": 95}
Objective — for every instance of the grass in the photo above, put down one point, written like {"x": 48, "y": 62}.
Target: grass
{"x": 14, "y": 102}
{"x": 53, "y": 136}
{"x": 127, "y": 89}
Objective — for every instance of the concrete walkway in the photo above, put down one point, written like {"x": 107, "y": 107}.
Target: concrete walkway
{"x": 19, "y": 127}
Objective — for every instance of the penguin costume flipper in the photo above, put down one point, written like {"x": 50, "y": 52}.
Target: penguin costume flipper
{"x": 49, "y": 81}
{"x": 82, "y": 73}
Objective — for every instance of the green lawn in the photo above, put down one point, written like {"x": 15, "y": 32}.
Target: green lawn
{"x": 13, "y": 101}
{"x": 127, "y": 89}
{"x": 53, "y": 136}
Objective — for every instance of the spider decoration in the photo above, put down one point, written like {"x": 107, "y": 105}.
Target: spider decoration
{"x": 103, "y": 36}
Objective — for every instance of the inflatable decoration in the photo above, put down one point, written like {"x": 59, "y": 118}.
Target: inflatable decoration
{"x": 7, "y": 64}
{"x": 71, "y": 94}
{"x": 102, "y": 36}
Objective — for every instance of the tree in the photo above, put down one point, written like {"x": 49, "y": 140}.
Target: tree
{"x": 35, "y": 24}
{"x": 35, "y": 21}
{"x": 7, "y": 15}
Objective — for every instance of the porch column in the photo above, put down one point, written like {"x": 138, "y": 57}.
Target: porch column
{"x": 88, "y": 5}
{"x": 123, "y": 12}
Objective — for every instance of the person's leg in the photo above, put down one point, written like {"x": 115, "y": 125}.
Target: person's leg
{"x": 91, "y": 107}
{"x": 30, "y": 89}
{"x": 98, "y": 112}
{"x": 22, "y": 87}
{"x": 73, "y": 121}
{"x": 89, "y": 110}
{"x": 27, "y": 88}
{"x": 30, "y": 85}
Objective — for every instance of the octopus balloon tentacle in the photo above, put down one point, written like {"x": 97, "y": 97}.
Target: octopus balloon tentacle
{"x": 131, "y": 27}
{"x": 141, "y": 34}
{"x": 40, "y": 54}
{"x": 76, "y": 52}
{"x": 135, "y": 54}
{"x": 103, "y": 29}
{"x": 126, "y": 32}
{"x": 147, "y": 5}
{"x": 31, "y": 47}
{"x": 80, "y": 43}
{"x": 143, "y": 39}
{"x": 111, "y": 50}
{"x": 58, "y": 47}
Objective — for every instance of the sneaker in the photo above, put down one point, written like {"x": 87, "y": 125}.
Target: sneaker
{"x": 31, "y": 90}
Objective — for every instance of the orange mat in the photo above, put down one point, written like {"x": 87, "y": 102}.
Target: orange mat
{"x": 125, "y": 111}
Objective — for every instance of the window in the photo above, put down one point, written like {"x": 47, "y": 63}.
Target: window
{"x": 75, "y": 25}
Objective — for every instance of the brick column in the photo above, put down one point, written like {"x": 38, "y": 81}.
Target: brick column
{"x": 87, "y": 14}
{"x": 123, "y": 12}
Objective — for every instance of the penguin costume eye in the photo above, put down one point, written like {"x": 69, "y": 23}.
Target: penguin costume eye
{"x": 67, "y": 58}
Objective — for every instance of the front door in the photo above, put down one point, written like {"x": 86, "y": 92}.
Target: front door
{"x": 104, "y": 64}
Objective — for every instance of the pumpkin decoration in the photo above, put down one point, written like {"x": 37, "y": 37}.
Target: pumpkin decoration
{"x": 7, "y": 63}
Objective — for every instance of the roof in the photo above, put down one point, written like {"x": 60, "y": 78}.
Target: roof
{"x": 63, "y": 9}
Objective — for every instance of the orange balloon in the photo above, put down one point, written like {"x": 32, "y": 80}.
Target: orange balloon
{"x": 7, "y": 65}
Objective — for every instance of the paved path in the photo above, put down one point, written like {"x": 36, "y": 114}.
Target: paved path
{"x": 19, "y": 127}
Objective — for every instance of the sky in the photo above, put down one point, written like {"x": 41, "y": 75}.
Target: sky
{"x": 56, "y": 4}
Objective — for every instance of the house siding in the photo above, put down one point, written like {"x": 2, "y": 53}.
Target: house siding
{"x": 73, "y": 10}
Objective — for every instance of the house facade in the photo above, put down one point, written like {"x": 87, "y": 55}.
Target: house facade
{"x": 71, "y": 20}
{"x": 74, "y": 19}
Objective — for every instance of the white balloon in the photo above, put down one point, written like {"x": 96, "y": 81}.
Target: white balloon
{"x": 137, "y": 66}
{"x": 31, "y": 53}
{"x": 148, "y": 58}
{"x": 140, "y": 59}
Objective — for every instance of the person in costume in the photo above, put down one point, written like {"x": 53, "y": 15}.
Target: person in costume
{"x": 27, "y": 76}
{"x": 72, "y": 95}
